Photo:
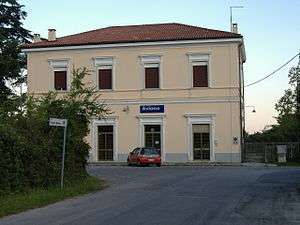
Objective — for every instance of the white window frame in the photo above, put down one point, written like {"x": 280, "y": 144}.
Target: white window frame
{"x": 151, "y": 61}
{"x": 199, "y": 59}
{"x": 94, "y": 135}
{"x": 200, "y": 119}
{"x": 152, "y": 120}
{"x": 105, "y": 62}
{"x": 59, "y": 65}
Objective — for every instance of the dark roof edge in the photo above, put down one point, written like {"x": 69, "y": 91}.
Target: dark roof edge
{"x": 52, "y": 45}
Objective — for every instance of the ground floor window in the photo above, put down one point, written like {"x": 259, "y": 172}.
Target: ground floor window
{"x": 105, "y": 143}
{"x": 201, "y": 141}
{"x": 153, "y": 136}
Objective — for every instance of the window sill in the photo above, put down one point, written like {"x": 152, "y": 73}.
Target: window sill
{"x": 105, "y": 90}
{"x": 61, "y": 91}
{"x": 199, "y": 88}
{"x": 151, "y": 89}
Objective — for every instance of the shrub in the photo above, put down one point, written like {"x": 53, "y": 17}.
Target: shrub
{"x": 30, "y": 150}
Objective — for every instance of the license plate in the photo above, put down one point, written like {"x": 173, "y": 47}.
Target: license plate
{"x": 151, "y": 160}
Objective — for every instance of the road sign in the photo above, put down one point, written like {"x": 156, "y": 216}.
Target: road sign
{"x": 58, "y": 122}
{"x": 152, "y": 109}
{"x": 61, "y": 123}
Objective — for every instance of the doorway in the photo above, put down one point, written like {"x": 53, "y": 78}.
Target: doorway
{"x": 105, "y": 143}
{"x": 152, "y": 136}
{"x": 201, "y": 141}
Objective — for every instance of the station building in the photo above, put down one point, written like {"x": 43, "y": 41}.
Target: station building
{"x": 175, "y": 87}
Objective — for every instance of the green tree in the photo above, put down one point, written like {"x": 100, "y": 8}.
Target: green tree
{"x": 30, "y": 150}
{"x": 288, "y": 107}
{"x": 12, "y": 35}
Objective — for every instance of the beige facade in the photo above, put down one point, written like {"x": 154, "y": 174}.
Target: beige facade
{"x": 217, "y": 105}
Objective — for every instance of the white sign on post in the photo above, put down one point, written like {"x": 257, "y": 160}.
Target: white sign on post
{"x": 61, "y": 123}
{"x": 58, "y": 122}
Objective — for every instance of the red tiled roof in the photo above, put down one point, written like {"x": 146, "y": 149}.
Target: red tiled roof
{"x": 136, "y": 33}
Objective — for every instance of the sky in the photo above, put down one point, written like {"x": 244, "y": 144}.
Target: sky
{"x": 271, "y": 31}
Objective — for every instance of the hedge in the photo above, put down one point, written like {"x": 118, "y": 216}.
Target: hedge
{"x": 30, "y": 150}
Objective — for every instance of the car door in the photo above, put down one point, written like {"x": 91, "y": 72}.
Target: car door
{"x": 134, "y": 155}
{"x": 130, "y": 156}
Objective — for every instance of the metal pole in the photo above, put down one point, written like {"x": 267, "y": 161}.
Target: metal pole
{"x": 63, "y": 159}
{"x": 230, "y": 18}
{"x": 233, "y": 7}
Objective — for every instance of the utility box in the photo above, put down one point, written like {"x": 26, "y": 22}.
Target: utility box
{"x": 281, "y": 153}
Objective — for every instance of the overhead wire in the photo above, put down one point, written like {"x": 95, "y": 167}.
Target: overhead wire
{"x": 275, "y": 71}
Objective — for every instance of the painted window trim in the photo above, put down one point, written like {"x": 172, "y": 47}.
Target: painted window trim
{"x": 199, "y": 59}
{"x": 105, "y": 62}
{"x": 151, "y": 61}
{"x": 59, "y": 65}
{"x": 200, "y": 119}
{"x": 94, "y": 136}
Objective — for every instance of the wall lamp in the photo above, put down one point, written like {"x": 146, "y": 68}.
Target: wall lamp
{"x": 251, "y": 106}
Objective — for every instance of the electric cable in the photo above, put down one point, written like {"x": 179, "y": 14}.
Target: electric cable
{"x": 279, "y": 68}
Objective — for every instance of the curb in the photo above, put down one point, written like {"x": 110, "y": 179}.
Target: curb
{"x": 167, "y": 164}
{"x": 210, "y": 164}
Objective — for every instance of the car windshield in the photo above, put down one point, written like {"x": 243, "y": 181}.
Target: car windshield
{"x": 149, "y": 151}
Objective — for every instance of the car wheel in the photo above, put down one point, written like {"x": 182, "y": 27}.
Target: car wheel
{"x": 140, "y": 164}
{"x": 158, "y": 164}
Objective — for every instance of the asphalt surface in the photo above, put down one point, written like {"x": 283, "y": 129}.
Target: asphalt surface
{"x": 179, "y": 196}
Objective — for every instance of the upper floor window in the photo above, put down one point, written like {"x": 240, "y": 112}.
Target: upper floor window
{"x": 152, "y": 76}
{"x": 105, "y": 78}
{"x": 105, "y": 72}
{"x": 60, "y": 80}
{"x": 200, "y": 70}
{"x": 60, "y": 74}
{"x": 200, "y": 75}
{"x": 152, "y": 71}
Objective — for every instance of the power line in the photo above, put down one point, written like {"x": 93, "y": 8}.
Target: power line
{"x": 279, "y": 68}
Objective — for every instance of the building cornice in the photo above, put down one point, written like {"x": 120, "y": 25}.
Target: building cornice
{"x": 136, "y": 44}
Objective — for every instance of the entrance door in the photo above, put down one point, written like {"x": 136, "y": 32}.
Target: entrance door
{"x": 201, "y": 141}
{"x": 153, "y": 136}
{"x": 105, "y": 143}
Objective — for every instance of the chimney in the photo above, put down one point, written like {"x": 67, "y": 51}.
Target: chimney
{"x": 51, "y": 34}
{"x": 234, "y": 28}
{"x": 36, "y": 38}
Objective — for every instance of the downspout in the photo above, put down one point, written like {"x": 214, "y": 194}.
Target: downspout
{"x": 242, "y": 59}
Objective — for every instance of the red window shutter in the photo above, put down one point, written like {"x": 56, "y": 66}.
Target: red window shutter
{"x": 200, "y": 76}
{"x": 152, "y": 77}
{"x": 105, "y": 79}
{"x": 60, "y": 80}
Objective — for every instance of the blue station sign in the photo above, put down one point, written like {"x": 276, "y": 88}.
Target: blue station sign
{"x": 152, "y": 109}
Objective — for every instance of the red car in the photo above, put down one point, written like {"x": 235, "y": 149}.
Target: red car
{"x": 144, "y": 156}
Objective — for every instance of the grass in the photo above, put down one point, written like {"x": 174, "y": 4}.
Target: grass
{"x": 289, "y": 164}
{"x": 18, "y": 202}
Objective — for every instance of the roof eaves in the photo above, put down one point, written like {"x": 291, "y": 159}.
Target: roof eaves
{"x": 127, "y": 44}
{"x": 53, "y": 44}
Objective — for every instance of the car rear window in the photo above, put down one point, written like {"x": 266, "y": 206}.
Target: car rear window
{"x": 149, "y": 151}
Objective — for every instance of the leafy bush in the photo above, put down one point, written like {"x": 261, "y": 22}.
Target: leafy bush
{"x": 30, "y": 150}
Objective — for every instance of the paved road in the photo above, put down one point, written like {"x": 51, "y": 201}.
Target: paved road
{"x": 180, "y": 196}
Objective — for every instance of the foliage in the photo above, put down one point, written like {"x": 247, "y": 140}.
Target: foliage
{"x": 12, "y": 35}
{"x": 30, "y": 150}
{"x": 18, "y": 202}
